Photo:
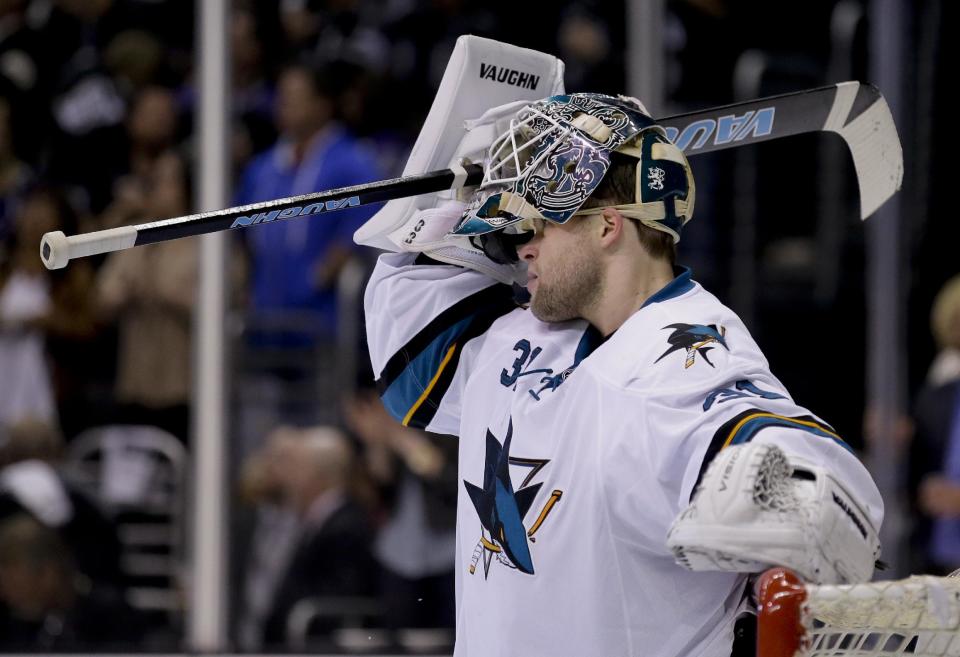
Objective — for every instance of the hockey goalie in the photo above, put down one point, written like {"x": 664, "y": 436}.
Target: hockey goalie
{"x": 618, "y": 429}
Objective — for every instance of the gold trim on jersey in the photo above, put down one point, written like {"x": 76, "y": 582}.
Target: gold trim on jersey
{"x": 433, "y": 382}
{"x": 754, "y": 416}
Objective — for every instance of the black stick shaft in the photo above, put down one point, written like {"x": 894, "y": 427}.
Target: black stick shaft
{"x": 704, "y": 131}
{"x": 304, "y": 206}
{"x": 755, "y": 121}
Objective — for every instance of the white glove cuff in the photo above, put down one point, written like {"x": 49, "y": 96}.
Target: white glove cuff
{"x": 425, "y": 229}
{"x": 466, "y": 256}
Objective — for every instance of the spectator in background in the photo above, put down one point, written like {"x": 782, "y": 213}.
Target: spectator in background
{"x": 252, "y": 91}
{"x": 21, "y": 52}
{"x": 87, "y": 109}
{"x": 15, "y": 177}
{"x": 587, "y": 34}
{"x": 368, "y": 110}
{"x": 252, "y": 67}
{"x": 338, "y": 29}
{"x": 934, "y": 473}
{"x": 150, "y": 292}
{"x": 33, "y": 481}
{"x": 24, "y": 303}
{"x": 78, "y": 353}
{"x": 331, "y": 557}
{"x": 48, "y": 328}
{"x": 151, "y": 131}
{"x": 423, "y": 38}
{"x": 17, "y": 63}
{"x": 417, "y": 474}
{"x": 945, "y": 323}
{"x": 935, "y": 480}
{"x": 274, "y": 531}
{"x": 134, "y": 59}
{"x": 295, "y": 264}
{"x": 45, "y": 605}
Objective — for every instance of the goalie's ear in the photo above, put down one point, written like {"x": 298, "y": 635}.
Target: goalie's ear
{"x": 481, "y": 74}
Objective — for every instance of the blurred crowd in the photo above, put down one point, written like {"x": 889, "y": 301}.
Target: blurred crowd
{"x": 934, "y": 446}
{"x": 343, "y": 519}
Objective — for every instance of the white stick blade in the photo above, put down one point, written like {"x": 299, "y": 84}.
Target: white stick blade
{"x": 873, "y": 142}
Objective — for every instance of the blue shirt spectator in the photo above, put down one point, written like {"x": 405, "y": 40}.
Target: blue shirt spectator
{"x": 295, "y": 262}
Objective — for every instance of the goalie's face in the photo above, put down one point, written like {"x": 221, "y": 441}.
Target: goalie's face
{"x": 564, "y": 271}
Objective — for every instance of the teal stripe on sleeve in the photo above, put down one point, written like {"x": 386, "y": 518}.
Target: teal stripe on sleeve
{"x": 409, "y": 385}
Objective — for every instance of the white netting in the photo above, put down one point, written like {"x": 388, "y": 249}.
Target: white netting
{"x": 916, "y": 616}
{"x": 773, "y": 489}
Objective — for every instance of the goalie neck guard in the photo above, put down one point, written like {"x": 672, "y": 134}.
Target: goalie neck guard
{"x": 555, "y": 152}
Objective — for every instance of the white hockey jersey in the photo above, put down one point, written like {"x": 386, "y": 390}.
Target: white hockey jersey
{"x": 576, "y": 454}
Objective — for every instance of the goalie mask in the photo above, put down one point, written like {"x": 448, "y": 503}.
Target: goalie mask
{"x": 553, "y": 156}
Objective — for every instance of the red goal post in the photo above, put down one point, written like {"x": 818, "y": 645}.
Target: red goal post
{"x": 917, "y": 616}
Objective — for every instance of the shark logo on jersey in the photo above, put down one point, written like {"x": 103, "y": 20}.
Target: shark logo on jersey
{"x": 502, "y": 510}
{"x": 742, "y": 389}
{"x": 696, "y": 339}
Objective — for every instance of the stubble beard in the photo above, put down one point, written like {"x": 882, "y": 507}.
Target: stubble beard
{"x": 574, "y": 287}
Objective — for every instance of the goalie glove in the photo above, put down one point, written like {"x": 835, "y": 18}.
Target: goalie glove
{"x": 756, "y": 508}
{"x": 452, "y": 132}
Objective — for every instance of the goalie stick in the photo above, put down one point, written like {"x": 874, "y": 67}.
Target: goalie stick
{"x": 855, "y": 111}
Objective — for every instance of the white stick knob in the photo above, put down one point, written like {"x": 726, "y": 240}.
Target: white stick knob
{"x": 55, "y": 250}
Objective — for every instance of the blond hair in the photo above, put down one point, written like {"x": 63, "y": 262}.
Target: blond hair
{"x": 619, "y": 187}
{"x": 945, "y": 314}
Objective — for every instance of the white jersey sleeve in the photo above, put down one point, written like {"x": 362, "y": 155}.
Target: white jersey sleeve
{"x": 419, "y": 316}
{"x": 698, "y": 384}
{"x": 764, "y": 413}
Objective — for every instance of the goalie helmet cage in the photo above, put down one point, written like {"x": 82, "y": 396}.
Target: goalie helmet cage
{"x": 917, "y": 616}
